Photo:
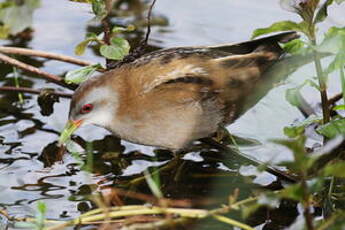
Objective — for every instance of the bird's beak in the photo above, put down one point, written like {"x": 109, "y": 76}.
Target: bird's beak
{"x": 69, "y": 129}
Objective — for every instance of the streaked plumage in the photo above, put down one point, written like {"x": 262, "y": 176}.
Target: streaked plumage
{"x": 171, "y": 97}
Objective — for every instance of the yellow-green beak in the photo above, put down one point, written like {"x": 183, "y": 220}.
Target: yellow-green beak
{"x": 69, "y": 129}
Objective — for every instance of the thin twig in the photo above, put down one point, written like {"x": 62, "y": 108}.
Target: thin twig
{"x": 149, "y": 22}
{"x": 43, "y": 54}
{"x": 32, "y": 91}
{"x": 48, "y": 76}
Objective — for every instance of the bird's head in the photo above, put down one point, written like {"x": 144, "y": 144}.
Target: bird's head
{"x": 94, "y": 102}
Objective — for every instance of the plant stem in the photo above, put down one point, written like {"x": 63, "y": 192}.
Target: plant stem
{"x": 342, "y": 77}
{"x": 322, "y": 82}
{"x": 306, "y": 203}
{"x": 16, "y": 82}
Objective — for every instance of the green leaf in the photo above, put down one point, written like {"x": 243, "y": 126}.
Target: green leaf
{"x": 119, "y": 29}
{"x": 299, "y": 128}
{"x": 41, "y": 207}
{"x": 294, "y": 192}
{"x": 79, "y": 75}
{"x": 294, "y": 46}
{"x": 334, "y": 41}
{"x": 322, "y": 14}
{"x": 153, "y": 185}
{"x": 80, "y": 48}
{"x": 337, "y": 63}
{"x": 293, "y": 96}
{"x": 339, "y": 1}
{"x": 337, "y": 169}
{"x": 118, "y": 49}
{"x": 339, "y": 107}
{"x": 277, "y": 27}
{"x": 99, "y": 9}
{"x": 4, "y": 31}
{"x": 333, "y": 128}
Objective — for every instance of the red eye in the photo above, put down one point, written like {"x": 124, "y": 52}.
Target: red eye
{"x": 86, "y": 108}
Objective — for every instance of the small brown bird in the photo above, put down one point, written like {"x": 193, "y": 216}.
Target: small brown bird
{"x": 171, "y": 97}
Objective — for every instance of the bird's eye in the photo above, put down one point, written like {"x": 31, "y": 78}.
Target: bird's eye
{"x": 86, "y": 108}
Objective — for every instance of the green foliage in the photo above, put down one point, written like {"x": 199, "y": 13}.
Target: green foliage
{"x": 322, "y": 14}
{"x": 294, "y": 46}
{"x": 279, "y": 26}
{"x": 302, "y": 161}
{"x": 90, "y": 37}
{"x": 298, "y": 129}
{"x": 337, "y": 169}
{"x": 99, "y": 9}
{"x": 79, "y": 75}
{"x": 117, "y": 50}
{"x": 153, "y": 182}
{"x": 333, "y": 128}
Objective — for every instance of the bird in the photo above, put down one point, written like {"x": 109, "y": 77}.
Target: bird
{"x": 172, "y": 97}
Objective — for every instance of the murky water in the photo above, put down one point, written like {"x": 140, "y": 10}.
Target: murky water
{"x": 29, "y": 168}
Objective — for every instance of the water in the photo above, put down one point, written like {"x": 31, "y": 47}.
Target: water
{"x": 29, "y": 167}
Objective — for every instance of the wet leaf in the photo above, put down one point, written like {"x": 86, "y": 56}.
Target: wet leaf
{"x": 277, "y": 27}
{"x": 79, "y": 75}
{"x": 333, "y": 128}
{"x": 118, "y": 49}
{"x": 46, "y": 101}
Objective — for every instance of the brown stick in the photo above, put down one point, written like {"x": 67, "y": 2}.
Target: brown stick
{"x": 335, "y": 98}
{"x": 43, "y": 54}
{"x": 48, "y": 76}
{"x": 32, "y": 91}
